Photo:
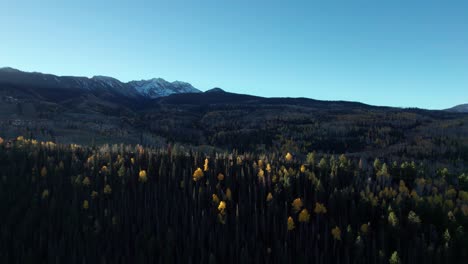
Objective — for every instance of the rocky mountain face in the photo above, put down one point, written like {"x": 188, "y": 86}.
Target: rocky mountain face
{"x": 153, "y": 88}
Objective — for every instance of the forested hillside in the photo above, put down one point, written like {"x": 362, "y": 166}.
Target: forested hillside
{"x": 130, "y": 204}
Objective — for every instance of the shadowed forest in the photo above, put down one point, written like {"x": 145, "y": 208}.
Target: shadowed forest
{"x": 130, "y": 204}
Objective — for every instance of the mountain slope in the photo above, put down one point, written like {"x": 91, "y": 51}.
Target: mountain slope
{"x": 103, "y": 85}
{"x": 463, "y": 108}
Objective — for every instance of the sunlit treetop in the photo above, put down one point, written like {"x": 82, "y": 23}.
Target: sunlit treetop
{"x": 85, "y": 204}
{"x": 320, "y": 208}
{"x": 304, "y": 216}
{"x": 303, "y": 168}
{"x": 291, "y": 224}
{"x": 205, "y": 166}
{"x": 297, "y": 204}
{"x": 336, "y": 233}
{"x": 269, "y": 197}
{"x": 142, "y": 177}
{"x": 215, "y": 198}
{"x": 197, "y": 174}
{"x": 288, "y": 157}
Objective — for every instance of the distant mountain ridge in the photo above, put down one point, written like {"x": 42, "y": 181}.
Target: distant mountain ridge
{"x": 153, "y": 88}
{"x": 462, "y": 108}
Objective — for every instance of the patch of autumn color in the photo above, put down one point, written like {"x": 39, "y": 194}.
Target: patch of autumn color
{"x": 260, "y": 164}
{"x": 261, "y": 173}
{"x": 392, "y": 219}
{"x": 20, "y": 138}
{"x": 288, "y": 157}
{"x": 269, "y": 197}
{"x": 320, "y": 208}
{"x": 86, "y": 181}
{"x": 197, "y": 174}
{"x": 205, "y": 166}
{"x": 107, "y": 189}
{"x": 336, "y": 233}
{"x": 303, "y": 168}
{"x": 220, "y": 177}
{"x": 132, "y": 160}
{"x": 85, "y": 204}
{"x": 291, "y": 224}
{"x": 239, "y": 160}
{"x": 44, "y": 171}
{"x": 104, "y": 169}
{"x": 364, "y": 228}
{"x": 297, "y": 204}
{"x": 215, "y": 199}
{"x": 45, "y": 194}
{"x": 304, "y": 216}
{"x": 142, "y": 177}
{"x": 222, "y": 207}
{"x": 94, "y": 194}
{"x": 228, "y": 194}
{"x": 268, "y": 167}
{"x": 1, "y": 140}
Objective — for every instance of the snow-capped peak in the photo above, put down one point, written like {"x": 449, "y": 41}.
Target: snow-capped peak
{"x": 159, "y": 87}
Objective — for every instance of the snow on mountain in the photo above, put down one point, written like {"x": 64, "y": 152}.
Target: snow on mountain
{"x": 153, "y": 88}
{"x": 158, "y": 87}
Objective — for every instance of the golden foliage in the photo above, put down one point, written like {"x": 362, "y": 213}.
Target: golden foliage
{"x": 268, "y": 167}
{"x": 205, "y": 166}
{"x": 394, "y": 259}
{"x": 288, "y": 157}
{"x": 303, "y": 168}
{"x": 291, "y": 224}
{"x": 44, "y": 171}
{"x": 336, "y": 233}
{"x": 222, "y": 208}
{"x": 104, "y": 169}
{"x": 297, "y": 204}
{"x": 1, "y": 140}
{"x": 85, "y": 204}
{"x": 20, "y": 138}
{"x": 320, "y": 208}
{"x": 45, "y": 194}
{"x": 269, "y": 197}
{"x": 304, "y": 216}
{"x": 142, "y": 177}
{"x": 94, "y": 194}
{"x": 392, "y": 219}
{"x": 220, "y": 177}
{"x": 197, "y": 174}
{"x": 107, "y": 189}
{"x": 86, "y": 181}
{"x": 228, "y": 194}
{"x": 261, "y": 173}
{"x": 132, "y": 160}
{"x": 215, "y": 199}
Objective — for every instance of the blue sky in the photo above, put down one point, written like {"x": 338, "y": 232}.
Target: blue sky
{"x": 397, "y": 53}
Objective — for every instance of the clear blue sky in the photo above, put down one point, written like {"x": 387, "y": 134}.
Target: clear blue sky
{"x": 398, "y": 53}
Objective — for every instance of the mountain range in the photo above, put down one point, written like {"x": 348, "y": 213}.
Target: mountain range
{"x": 155, "y": 112}
{"x": 152, "y": 88}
